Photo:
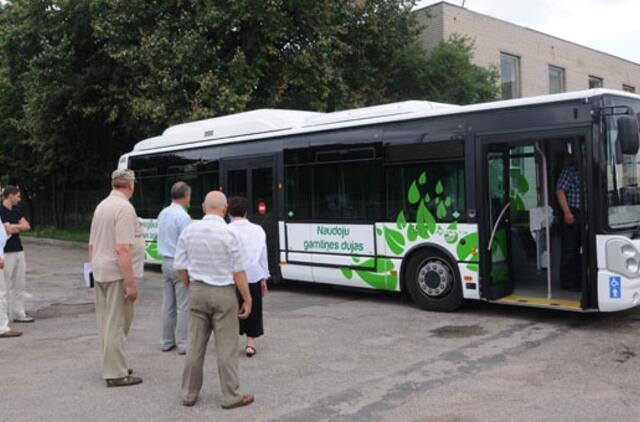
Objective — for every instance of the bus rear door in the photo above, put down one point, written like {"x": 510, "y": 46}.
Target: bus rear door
{"x": 255, "y": 179}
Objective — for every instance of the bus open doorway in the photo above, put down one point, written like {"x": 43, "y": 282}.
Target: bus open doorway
{"x": 531, "y": 255}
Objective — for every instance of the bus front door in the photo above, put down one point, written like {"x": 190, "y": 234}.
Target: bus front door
{"x": 255, "y": 179}
{"x": 494, "y": 254}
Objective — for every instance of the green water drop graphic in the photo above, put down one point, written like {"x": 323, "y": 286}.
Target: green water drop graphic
{"x": 414, "y": 193}
{"x": 423, "y": 178}
{"x": 401, "y": 221}
{"x": 441, "y": 212}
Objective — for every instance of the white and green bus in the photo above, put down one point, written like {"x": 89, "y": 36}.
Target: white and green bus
{"x": 444, "y": 203}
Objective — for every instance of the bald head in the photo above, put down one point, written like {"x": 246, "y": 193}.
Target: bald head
{"x": 215, "y": 203}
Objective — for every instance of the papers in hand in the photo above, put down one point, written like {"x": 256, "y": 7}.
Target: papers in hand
{"x": 88, "y": 275}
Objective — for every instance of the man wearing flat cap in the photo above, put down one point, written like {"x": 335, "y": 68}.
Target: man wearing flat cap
{"x": 116, "y": 249}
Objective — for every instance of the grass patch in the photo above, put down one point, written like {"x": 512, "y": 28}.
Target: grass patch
{"x": 59, "y": 234}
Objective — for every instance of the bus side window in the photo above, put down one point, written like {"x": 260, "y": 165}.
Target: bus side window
{"x": 431, "y": 173}
{"x": 348, "y": 191}
{"x": 297, "y": 192}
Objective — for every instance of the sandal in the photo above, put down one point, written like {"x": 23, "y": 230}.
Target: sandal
{"x": 250, "y": 351}
{"x": 245, "y": 400}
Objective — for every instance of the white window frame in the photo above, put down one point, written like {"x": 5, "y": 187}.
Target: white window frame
{"x": 595, "y": 78}
{"x": 517, "y": 91}
{"x": 563, "y": 79}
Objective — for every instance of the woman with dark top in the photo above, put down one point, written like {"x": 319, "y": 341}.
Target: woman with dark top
{"x": 253, "y": 240}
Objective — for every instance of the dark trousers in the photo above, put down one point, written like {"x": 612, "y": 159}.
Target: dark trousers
{"x": 571, "y": 262}
{"x": 252, "y": 326}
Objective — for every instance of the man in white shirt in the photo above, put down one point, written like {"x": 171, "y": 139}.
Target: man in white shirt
{"x": 254, "y": 241}
{"x": 210, "y": 261}
{"x": 5, "y": 331}
{"x": 175, "y": 297}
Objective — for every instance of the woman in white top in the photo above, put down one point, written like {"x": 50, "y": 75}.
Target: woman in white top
{"x": 254, "y": 241}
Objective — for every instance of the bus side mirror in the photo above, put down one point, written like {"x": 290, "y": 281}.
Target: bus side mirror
{"x": 628, "y": 134}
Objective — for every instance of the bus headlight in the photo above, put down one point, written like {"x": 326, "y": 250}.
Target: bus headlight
{"x": 623, "y": 258}
{"x": 628, "y": 250}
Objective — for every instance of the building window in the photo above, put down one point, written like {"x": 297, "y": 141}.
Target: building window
{"x": 628, "y": 88}
{"x": 510, "y": 76}
{"x": 595, "y": 82}
{"x": 556, "y": 80}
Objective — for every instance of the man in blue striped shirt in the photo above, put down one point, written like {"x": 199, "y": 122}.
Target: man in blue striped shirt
{"x": 175, "y": 299}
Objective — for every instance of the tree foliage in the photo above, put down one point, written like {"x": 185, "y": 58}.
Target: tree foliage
{"x": 82, "y": 80}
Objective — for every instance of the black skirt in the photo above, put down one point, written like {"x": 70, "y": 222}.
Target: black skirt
{"x": 252, "y": 326}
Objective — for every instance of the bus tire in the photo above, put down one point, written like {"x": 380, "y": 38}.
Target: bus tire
{"x": 433, "y": 281}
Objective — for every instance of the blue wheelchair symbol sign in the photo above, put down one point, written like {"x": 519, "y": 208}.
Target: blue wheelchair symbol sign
{"x": 615, "y": 286}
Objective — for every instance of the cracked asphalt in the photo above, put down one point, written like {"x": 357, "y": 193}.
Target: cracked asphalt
{"x": 328, "y": 355}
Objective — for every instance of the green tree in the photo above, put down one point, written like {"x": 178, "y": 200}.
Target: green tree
{"x": 446, "y": 74}
{"x": 81, "y": 81}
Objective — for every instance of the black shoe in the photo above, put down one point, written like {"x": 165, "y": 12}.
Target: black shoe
{"x": 124, "y": 381}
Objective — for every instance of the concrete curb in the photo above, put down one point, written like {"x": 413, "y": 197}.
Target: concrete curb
{"x": 54, "y": 242}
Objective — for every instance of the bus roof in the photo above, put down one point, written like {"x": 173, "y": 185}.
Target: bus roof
{"x": 268, "y": 123}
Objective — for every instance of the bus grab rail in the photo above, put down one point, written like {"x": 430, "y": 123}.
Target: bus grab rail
{"x": 495, "y": 226}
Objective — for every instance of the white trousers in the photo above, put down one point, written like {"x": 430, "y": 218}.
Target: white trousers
{"x": 4, "y": 305}
{"x": 15, "y": 277}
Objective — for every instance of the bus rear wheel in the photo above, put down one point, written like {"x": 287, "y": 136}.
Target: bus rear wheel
{"x": 432, "y": 281}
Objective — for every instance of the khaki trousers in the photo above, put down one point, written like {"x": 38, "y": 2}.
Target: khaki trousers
{"x": 15, "y": 269}
{"x": 114, "y": 314}
{"x": 212, "y": 308}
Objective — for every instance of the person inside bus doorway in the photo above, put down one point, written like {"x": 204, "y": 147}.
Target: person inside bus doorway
{"x": 569, "y": 195}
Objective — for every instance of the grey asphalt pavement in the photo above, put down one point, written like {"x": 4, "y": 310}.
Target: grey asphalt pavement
{"x": 327, "y": 355}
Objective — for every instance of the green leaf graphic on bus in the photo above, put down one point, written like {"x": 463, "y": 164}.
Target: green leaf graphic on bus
{"x": 412, "y": 233}
{"x": 425, "y": 223}
{"x": 152, "y": 251}
{"x": 451, "y": 235}
{"x": 425, "y": 226}
{"x": 395, "y": 240}
{"x": 467, "y": 250}
{"x": 383, "y": 278}
{"x": 401, "y": 221}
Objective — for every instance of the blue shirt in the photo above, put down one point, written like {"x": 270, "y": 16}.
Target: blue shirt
{"x": 171, "y": 222}
{"x": 569, "y": 182}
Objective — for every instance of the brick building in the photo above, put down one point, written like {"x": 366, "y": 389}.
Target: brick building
{"x": 529, "y": 62}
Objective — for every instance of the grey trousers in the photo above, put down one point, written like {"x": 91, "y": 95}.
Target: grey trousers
{"x": 175, "y": 308}
{"x": 115, "y": 315}
{"x": 4, "y": 305}
{"x": 15, "y": 269}
{"x": 213, "y": 308}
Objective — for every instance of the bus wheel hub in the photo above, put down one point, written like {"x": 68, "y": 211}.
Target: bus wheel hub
{"x": 435, "y": 278}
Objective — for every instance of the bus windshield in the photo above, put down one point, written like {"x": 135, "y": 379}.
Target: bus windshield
{"x": 623, "y": 176}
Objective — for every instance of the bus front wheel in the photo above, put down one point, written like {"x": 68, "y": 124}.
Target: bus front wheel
{"x": 432, "y": 281}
